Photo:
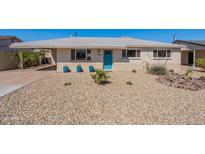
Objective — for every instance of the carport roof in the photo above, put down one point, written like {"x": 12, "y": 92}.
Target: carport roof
{"x": 92, "y": 42}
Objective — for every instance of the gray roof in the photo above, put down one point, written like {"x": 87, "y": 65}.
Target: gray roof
{"x": 192, "y": 44}
{"x": 92, "y": 42}
{"x": 198, "y": 42}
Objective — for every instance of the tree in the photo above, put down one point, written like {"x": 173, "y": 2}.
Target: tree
{"x": 28, "y": 58}
{"x": 40, "y": 55}
{"x": 18, "y": 54}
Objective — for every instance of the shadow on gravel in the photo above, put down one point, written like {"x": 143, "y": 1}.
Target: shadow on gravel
{"x": 49, "y": 68}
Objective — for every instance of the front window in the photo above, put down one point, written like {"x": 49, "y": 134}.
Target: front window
{"x": 72, "y": 54}
{"x": 168, "y": 53}
{"x": 124, "y": 54}
{"x": 157, "y": 54}
{"x": 80, "y": 54}
{"x": 138, "y": 53}
{"x": 162, "y": 53}
{"x": 130, "y": 53}
{"x": 88, "y": 54}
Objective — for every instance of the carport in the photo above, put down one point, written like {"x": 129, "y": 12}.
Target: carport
{"x": 36, "y": 47}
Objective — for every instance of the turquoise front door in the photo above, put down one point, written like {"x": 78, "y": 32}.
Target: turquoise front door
{"x": 107, "y": 63}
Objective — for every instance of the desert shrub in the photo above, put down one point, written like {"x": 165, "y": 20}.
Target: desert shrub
{"x": 157, "y": 70}
{"x": 67, "y": 84}
{"x": 100, "y": 77}
{"x": 171, "y": 71}
{"x": 178, "y": 81}
{"x": 202, "y": 78}
{"x": 129, "y": 83}
{"x": 134, "y": 70}
{"x": 183, "y": 81}
{"x": 200, "y": 62}
{"x": 146, "y": 65}
{"x": 187, "y": 74}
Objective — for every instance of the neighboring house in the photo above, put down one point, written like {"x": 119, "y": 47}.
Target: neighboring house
{"x": 117, "y": 54}
{"x": 5, "y": 59}
{"x": 193, "y": 49}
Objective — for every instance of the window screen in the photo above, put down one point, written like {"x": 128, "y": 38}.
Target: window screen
{"x": 80, "y": 54}
{"x": 72, "y": 54}
{"x": 124, "y": 55}
{"x": 131, "y": 53}
{"x": 88, "y": 54}
{"x": 161, "y": 53}
{"x": 138, "y": 53}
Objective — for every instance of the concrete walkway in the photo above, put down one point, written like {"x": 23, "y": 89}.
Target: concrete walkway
{"x": 14, "y": 79}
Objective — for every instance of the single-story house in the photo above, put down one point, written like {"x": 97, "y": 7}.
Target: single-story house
{"x": 192, "y": 50}
{"x": 117, "y": 54}
{"x": 6, "y": 62}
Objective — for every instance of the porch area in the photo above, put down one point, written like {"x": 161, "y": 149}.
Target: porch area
{"x": 191, "y": 50}
{"x": 188, "y": 57}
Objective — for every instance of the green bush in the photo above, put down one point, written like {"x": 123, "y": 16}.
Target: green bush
{"x": 200, "y": 62}
{"x": 29, "y": 58}
{"x": 100, "y": 77}
{"x": 157, "y": 70}
{"x": 129, "y": 83}
{"x": 187, "y": 74}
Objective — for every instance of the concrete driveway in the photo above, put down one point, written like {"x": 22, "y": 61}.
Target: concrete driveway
{"x": 13, "y": 79}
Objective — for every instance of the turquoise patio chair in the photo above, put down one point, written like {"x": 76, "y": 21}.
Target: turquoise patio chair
{"x": 79, "y": 69}
{"x": 91, "y": 69}
{"x": 66, "y": 69}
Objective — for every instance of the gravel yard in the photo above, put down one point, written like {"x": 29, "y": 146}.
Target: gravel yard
{"x": 48, "y": 101}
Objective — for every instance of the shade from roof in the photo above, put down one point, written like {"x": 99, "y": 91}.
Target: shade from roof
{"x": 92, "y": 42}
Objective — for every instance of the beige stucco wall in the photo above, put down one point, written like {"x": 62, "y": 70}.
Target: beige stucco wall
{"x": 119, "y": 64}
{"x": 64, "y": 59}
{"x": 6, "y": 62}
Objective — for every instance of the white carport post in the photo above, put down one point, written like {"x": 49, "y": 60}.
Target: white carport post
{"x": 194, "y": 57}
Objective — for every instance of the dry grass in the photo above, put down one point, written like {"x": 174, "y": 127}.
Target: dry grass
{"x": 147, "y": 101}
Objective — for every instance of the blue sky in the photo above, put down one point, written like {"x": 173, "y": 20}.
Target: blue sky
{"x": 164, "y": 35}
